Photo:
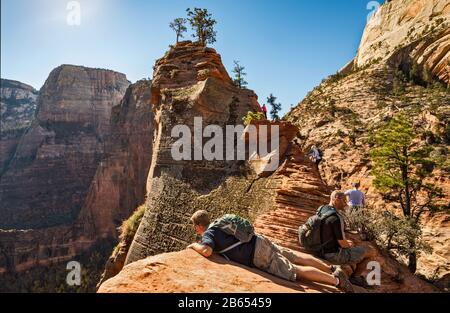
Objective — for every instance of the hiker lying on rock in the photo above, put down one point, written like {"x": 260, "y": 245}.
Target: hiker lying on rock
{"x": 234, "y": 238}
{"x": 323, "y": 235}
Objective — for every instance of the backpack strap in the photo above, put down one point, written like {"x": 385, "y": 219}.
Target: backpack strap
{"x": 231, "y": 247}
{"x": 319, "y": 209}
{"x": 330, "y": 212}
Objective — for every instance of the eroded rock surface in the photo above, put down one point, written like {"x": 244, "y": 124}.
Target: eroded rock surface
{"x": 400, "y": 67}
{"x": 190, "y": 81}
{"x": 83, "y": 164}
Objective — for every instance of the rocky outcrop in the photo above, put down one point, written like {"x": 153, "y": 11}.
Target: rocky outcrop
{"x": 299, "y": 191}
{"x": 17, "y": 108}
{"x": 340, "y": 114}
{"x": 57, "y": 157}
{"x": 84, "y": 163}
{"x": 277, "y": 202}
{"x": 190, "y": 81}
{"x": 170, "y": 273}
{"x": 421, "y": 26}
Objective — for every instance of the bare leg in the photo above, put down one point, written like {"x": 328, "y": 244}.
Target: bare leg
{"x": 305, "y": 259}
{"x": 314, "y": 275}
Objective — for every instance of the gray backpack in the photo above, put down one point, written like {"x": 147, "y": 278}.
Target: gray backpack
{"x": 309, "y": 233}
{"x": 237, "y": 226}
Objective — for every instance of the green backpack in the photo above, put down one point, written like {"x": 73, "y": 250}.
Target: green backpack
{"x": 236, "y": 226}
{"x": 309, "y": 233}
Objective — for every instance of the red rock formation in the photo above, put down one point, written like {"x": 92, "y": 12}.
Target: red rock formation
{"x": 189, "y": 81}
{"x": 95, "y": 151}
{"x": 404, "y": 38}
{"x": 170, "y": 273}
{"x": 278, "y": 202}
{"x": 56, "y": 159}
{"x": 300, "y": 192}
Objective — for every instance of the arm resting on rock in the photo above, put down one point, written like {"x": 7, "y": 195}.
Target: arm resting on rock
{"x": 204, "y": 250}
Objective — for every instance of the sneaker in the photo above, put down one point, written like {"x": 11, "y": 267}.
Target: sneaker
{"x": 344, "y": 284}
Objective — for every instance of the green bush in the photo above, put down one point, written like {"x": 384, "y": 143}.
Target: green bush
{"x": 395, "y": 234}
{"x": 251, "y": 116}
{"x": 130, "y": 226}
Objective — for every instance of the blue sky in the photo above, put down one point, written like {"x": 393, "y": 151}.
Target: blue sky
{"x": 286, "y": 46}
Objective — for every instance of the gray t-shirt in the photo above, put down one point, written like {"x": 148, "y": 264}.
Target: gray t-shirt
{"x": 356, "y": 197}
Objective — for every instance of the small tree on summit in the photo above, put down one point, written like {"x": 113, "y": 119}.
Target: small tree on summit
{"x": 179, "y": 26}
{"x": 238, "y": 70}
{"x": 203, "y": 25}
{"x": 276, "y": 107}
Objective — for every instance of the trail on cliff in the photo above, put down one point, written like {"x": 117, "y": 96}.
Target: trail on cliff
{"x": 299, "y": 192}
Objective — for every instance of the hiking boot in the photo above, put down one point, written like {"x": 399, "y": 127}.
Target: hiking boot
{"x": 344, "y": 284}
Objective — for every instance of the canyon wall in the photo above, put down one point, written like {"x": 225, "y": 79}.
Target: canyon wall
{"x": 17, "y": 108}
{"x": 79, "y": 170}
{"x": 47, "y": 180}
{"x": 402, "y": 65}
{"x": 420, "y": 25}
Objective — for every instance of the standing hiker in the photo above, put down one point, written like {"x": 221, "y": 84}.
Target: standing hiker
{"x": 264, "y": 109}
{"x": 316, "y": 155}
{"x": 356, "y": 198}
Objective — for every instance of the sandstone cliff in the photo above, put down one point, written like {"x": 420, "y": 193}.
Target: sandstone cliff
{"x": 277, "y": 202}
{"x": 83, "y": 163}
{"x": 119, "y": 185}
{"x": 190, "y": 81}
{"x": 405, "y": 39}
{"x": 298, "y": 192}
{"x": 421, "y": 26}
{"x": 58, "y": 156}
{"x": 17, "y": 108}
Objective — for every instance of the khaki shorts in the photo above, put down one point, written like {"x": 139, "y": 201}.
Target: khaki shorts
{"x": 274, "y": 259}
{"x": 348, "y": 256}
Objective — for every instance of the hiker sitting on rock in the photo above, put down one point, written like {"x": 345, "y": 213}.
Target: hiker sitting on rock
{"x": 323, "y": 235}
{"x": 234, "y": 238}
